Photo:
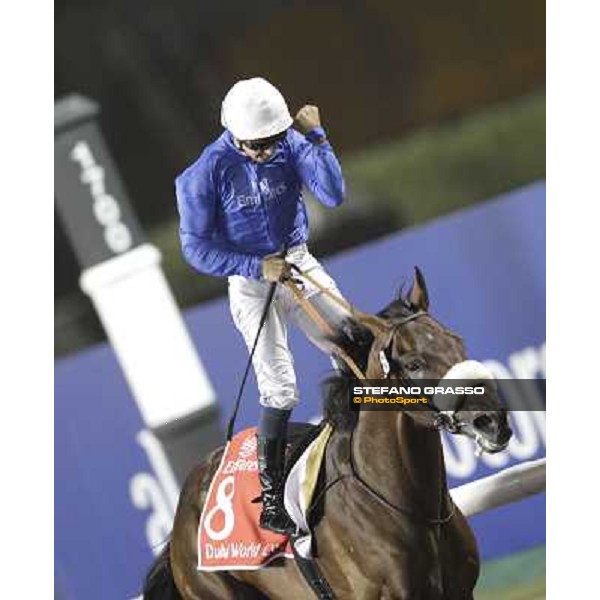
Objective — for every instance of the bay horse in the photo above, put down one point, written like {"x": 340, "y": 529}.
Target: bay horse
{"x": 388, "y": 527}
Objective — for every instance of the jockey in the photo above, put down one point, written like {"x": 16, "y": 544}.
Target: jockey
{"x": 240, "y": 205}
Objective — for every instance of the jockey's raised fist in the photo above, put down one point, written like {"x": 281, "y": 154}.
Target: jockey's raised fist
{"x": 307, "y": 118}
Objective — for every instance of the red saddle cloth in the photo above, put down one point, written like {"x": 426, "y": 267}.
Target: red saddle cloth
{"x": 229, "y": 536}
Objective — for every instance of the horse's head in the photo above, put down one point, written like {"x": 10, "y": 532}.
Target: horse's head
{"x": 408, "y": 344}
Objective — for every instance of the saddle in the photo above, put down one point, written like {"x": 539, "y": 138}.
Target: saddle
{"x": 300, "y": 436}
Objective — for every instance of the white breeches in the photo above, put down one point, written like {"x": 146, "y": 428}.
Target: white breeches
{"x": 273, "y": 362}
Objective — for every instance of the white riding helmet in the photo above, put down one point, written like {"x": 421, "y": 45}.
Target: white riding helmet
{"x": 254, "y": 109}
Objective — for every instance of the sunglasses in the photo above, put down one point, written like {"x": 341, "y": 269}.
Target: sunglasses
{"x": 265, "y": 143}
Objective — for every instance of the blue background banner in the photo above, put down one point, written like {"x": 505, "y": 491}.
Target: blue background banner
{"x": 485, "y": 270}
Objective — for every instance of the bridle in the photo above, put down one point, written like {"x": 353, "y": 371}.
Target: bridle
{"x": 442, "y": 420}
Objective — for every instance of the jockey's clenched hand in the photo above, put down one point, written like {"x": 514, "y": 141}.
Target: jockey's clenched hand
{"x": 274, "y": 267}
{"x": 307, "y": 118}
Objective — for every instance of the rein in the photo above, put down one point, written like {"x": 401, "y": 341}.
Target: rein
{"x": 444, "y": 419}
{"x": 326, "y": 328}
{"x": 321, "y": 323}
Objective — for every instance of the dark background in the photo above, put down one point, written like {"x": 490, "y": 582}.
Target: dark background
{"x": 416, "y": 97}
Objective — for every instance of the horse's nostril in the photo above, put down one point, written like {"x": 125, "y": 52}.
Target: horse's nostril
{"x": 483, "y": 422}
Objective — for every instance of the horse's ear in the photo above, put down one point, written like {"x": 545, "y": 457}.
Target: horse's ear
{"x": 419, "y": 297}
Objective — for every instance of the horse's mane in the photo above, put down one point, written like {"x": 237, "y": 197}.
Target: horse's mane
{"x": 336, "y": 405}
{"x": 356, "y": 340}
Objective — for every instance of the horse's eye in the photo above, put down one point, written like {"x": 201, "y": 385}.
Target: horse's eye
{"x": 416, "y": 364}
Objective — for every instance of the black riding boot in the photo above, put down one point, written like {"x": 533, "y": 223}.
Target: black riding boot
{"x": 271, "y": 462}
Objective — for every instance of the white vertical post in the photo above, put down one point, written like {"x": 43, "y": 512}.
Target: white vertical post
{"x": 146, "y": 330}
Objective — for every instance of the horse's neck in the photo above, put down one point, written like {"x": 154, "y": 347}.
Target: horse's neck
{"x": 401, "y": 459}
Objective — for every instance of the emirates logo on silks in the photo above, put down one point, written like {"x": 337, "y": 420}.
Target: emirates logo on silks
{"x": 267, "y": 194}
